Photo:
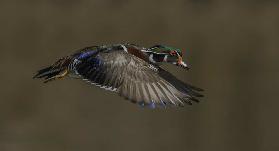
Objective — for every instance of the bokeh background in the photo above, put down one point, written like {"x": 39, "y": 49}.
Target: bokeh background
{"x": 231, "y": 46}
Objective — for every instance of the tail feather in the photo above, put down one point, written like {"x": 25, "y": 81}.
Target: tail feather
{"x": 42, "y": 72}
{"x": 46, "y": 72}
{"x": 58, "y": 70}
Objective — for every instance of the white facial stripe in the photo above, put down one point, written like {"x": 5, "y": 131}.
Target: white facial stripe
{"x": 124, "y": 48}
{"x": 158, "y": 53}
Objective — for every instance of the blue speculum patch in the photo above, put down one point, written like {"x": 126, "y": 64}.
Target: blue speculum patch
{"x": 87, "y": 54}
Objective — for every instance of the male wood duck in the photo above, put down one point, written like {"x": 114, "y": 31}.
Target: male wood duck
{"x": 132, "y": 71}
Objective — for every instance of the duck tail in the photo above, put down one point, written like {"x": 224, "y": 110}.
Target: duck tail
{"x": 57, "y": 70}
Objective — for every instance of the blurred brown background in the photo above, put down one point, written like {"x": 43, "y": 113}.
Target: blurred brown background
{"x": 231, "y": 46}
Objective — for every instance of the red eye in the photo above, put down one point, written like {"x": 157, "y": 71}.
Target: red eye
{"x": 173, "y": 53}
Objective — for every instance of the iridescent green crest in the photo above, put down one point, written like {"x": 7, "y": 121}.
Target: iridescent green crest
{"x": 164, "y": 49}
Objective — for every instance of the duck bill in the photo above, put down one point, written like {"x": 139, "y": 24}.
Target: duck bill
{"x": 182, "y": 64}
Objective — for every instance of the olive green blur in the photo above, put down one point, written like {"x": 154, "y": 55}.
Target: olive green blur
{"x": 232, "y": 48}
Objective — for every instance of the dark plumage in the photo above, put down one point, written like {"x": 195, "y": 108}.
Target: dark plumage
{"x": 129, "y": 70}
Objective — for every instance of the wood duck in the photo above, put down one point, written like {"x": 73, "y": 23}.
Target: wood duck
{"x": 132, "y": 71}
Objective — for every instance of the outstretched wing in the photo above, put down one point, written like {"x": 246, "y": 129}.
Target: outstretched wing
{"x": 134, "y": 79}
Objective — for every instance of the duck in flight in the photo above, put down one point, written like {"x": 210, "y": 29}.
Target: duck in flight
{"x": 132, "y": 71}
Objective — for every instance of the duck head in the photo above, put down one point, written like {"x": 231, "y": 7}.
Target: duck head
{"x": 161, "y": 53}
